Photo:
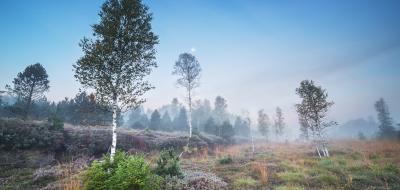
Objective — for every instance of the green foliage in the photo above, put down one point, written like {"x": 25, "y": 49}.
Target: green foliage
{"x": 313, "y": 107}
{"x": 120, "y": 54}
{"x": 125, "y": 172}
{"x": 168, "y": 164}
{"x": 225, "y": 160}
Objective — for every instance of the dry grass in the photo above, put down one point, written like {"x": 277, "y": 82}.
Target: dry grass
{"x": 262, "y": 171}
{"x": 69, "y": 179}
{"x": 353, "y": 164}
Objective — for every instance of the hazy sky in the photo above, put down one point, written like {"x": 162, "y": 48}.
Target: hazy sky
{"x": 253, "y": 53}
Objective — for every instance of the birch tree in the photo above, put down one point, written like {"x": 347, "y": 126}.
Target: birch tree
{"x": 119, "y": 57}
{"x": 313, "y": 111}
{"x": 187, "y": 68}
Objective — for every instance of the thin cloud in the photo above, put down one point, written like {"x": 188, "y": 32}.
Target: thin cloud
{"x": 353, "y": 59}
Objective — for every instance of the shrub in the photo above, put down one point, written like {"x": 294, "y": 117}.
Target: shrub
{"x": 168, "y": 164}
{"x": 173, "y": 183}
{"x": 126, "y": 172}
{"x": 194, "y": 180}
{"x": 203, "y": 181}
{"x": 225, "y": 160}
{"x": 18, "y": 134}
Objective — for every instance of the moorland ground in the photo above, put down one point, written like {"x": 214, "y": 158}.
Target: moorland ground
{"x": 354, "y": 164}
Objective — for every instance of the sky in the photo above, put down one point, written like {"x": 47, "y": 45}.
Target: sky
{"x": 253, "y": 53}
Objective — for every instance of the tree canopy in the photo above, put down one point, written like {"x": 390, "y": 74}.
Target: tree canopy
{"x": 30, "y": 85}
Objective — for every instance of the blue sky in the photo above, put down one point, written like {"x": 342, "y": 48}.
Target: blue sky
{"x": 253, "y": 53}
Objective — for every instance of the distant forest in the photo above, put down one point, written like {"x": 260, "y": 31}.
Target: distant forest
{"x": 84, "y": 110}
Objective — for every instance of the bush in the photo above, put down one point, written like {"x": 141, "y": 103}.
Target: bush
{"x": 226, "y": 160}
{"x": 18, "y": 134}
{"x": 203, "y": 181}
{"x": 168, "y": 164}
{"x": 126, "y": 172}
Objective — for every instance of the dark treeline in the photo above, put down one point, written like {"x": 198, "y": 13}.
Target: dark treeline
{"x": 80, "y": 110}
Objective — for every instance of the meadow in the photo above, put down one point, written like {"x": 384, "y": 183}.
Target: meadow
{"x": 354, "y": 164}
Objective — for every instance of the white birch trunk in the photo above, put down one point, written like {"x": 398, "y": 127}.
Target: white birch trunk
{"x": 190, "y": 122}
{"x": 326, "y": 152}
{"x": 114, "y": 130}
{"x": 252, "y": 141}
{"x": 319, "y": 154}
{"x": 190, "y": 115}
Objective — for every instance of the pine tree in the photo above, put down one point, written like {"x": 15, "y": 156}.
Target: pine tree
{"x": 155, "y": 121}
{"x": 180, "y": 122}
{"x": 29, "y": 86}
{"x": 166, "y": 122}
{"x": 386, "y": 129}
